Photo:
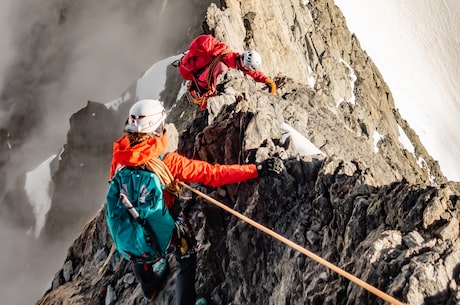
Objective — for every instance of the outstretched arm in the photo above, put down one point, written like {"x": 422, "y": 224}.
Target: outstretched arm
{"x": 214, "y": 175}
{"x": 231, "y": 59}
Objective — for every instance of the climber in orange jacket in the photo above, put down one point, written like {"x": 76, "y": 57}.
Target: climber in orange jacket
{"x": 145, "y": 139}
{"x": 208, "y": 57}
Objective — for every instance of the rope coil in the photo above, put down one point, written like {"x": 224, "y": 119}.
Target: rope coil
{"x": 157, "y": 166}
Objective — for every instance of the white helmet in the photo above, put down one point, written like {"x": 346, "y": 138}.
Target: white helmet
{"x": 251, "y": 60}
{"x": 146, "y": 116}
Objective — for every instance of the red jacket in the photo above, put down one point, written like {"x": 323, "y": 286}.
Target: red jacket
{"x": 201, "y": 52}
{"x": 182, "y": 168}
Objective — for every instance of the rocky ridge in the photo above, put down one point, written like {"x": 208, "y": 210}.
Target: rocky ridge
{"x": 376, "y": 210}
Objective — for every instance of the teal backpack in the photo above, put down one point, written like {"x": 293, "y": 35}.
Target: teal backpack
{"x": 146, "y": 238}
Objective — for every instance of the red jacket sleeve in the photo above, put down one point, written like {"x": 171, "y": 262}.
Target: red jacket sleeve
{"x": 257, "y": 75}
{"x": 231, "y": 60}
{"x": 216, "y": 175}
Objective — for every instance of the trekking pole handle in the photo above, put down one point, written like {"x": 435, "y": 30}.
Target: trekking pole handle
{"x": 129, "y": 206}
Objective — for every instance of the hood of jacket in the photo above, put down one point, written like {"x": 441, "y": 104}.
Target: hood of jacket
{"x": 126, "y": 155}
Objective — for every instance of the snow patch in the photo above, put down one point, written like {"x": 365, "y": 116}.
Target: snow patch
{"x": 353, "y": 79}
{"x": 37, "y": 189}
{"x": 117, "y": 102}
{"x": 422, "y": 163}
{"x": 377, "y": 137}
{"x": 303, "y": 146}
{"x": 152, "y": 83}
{"x": 182, "y": 90}
{"x": 311, "y": 78}
{"x": 405, "y": 141}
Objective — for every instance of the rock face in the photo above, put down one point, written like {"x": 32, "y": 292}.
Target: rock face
{"x": 367, "y": 205}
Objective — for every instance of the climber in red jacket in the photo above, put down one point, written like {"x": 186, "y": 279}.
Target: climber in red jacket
{"x": 207, "y": 58}
{"x": 144, "y": 142}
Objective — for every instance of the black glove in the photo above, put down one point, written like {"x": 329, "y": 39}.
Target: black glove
{"x": 270, "y": 166}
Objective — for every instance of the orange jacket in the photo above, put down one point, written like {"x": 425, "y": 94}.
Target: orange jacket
{"x": 182, "y": 168}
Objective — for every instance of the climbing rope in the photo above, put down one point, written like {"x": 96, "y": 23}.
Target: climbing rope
{"x": 299, "y": 248}
{"x": 164, "y": 174}
{"x": 195, "y": 95}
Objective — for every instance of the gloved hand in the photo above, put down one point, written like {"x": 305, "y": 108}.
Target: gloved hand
{"x": 270, "y": 166}
{"x": 271, "y": 85}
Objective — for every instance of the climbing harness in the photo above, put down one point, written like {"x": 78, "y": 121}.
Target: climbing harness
{"x": 195, "y": 94}
{"x": 299, "y": 248}
{"x": 195, "y": 98}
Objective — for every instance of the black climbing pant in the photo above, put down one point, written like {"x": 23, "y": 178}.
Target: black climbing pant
{"x": 185, "y": 281}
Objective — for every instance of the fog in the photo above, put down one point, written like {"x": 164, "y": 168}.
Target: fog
{"x": 55, "y": 56}
{"x": 6, "y": 48}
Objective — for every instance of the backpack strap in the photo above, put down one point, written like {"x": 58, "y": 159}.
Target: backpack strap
{"x": 212, "y": 66}
{"x": 199, "y": 97}
{"x": 143, "y": 259}
{"x": 198, "y": 73}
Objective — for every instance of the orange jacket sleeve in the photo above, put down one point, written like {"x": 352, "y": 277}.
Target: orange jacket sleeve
{"x": 215, "y": 175}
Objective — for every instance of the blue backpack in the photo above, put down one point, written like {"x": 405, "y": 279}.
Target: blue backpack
{"x": 145, "y": 193}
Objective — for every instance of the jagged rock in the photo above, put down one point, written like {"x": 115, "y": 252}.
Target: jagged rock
{"x": 356, "y": 220}
{"x": 79, "y": 171}
{"x": 369, "y": 209}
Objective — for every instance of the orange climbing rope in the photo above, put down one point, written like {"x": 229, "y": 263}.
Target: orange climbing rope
{"x": 297, "y": 247}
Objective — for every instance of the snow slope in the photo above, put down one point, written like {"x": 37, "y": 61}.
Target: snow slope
{"x": 416, "y": 47}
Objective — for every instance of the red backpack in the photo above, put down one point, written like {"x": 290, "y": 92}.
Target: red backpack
{"x": 203, "y": 49}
